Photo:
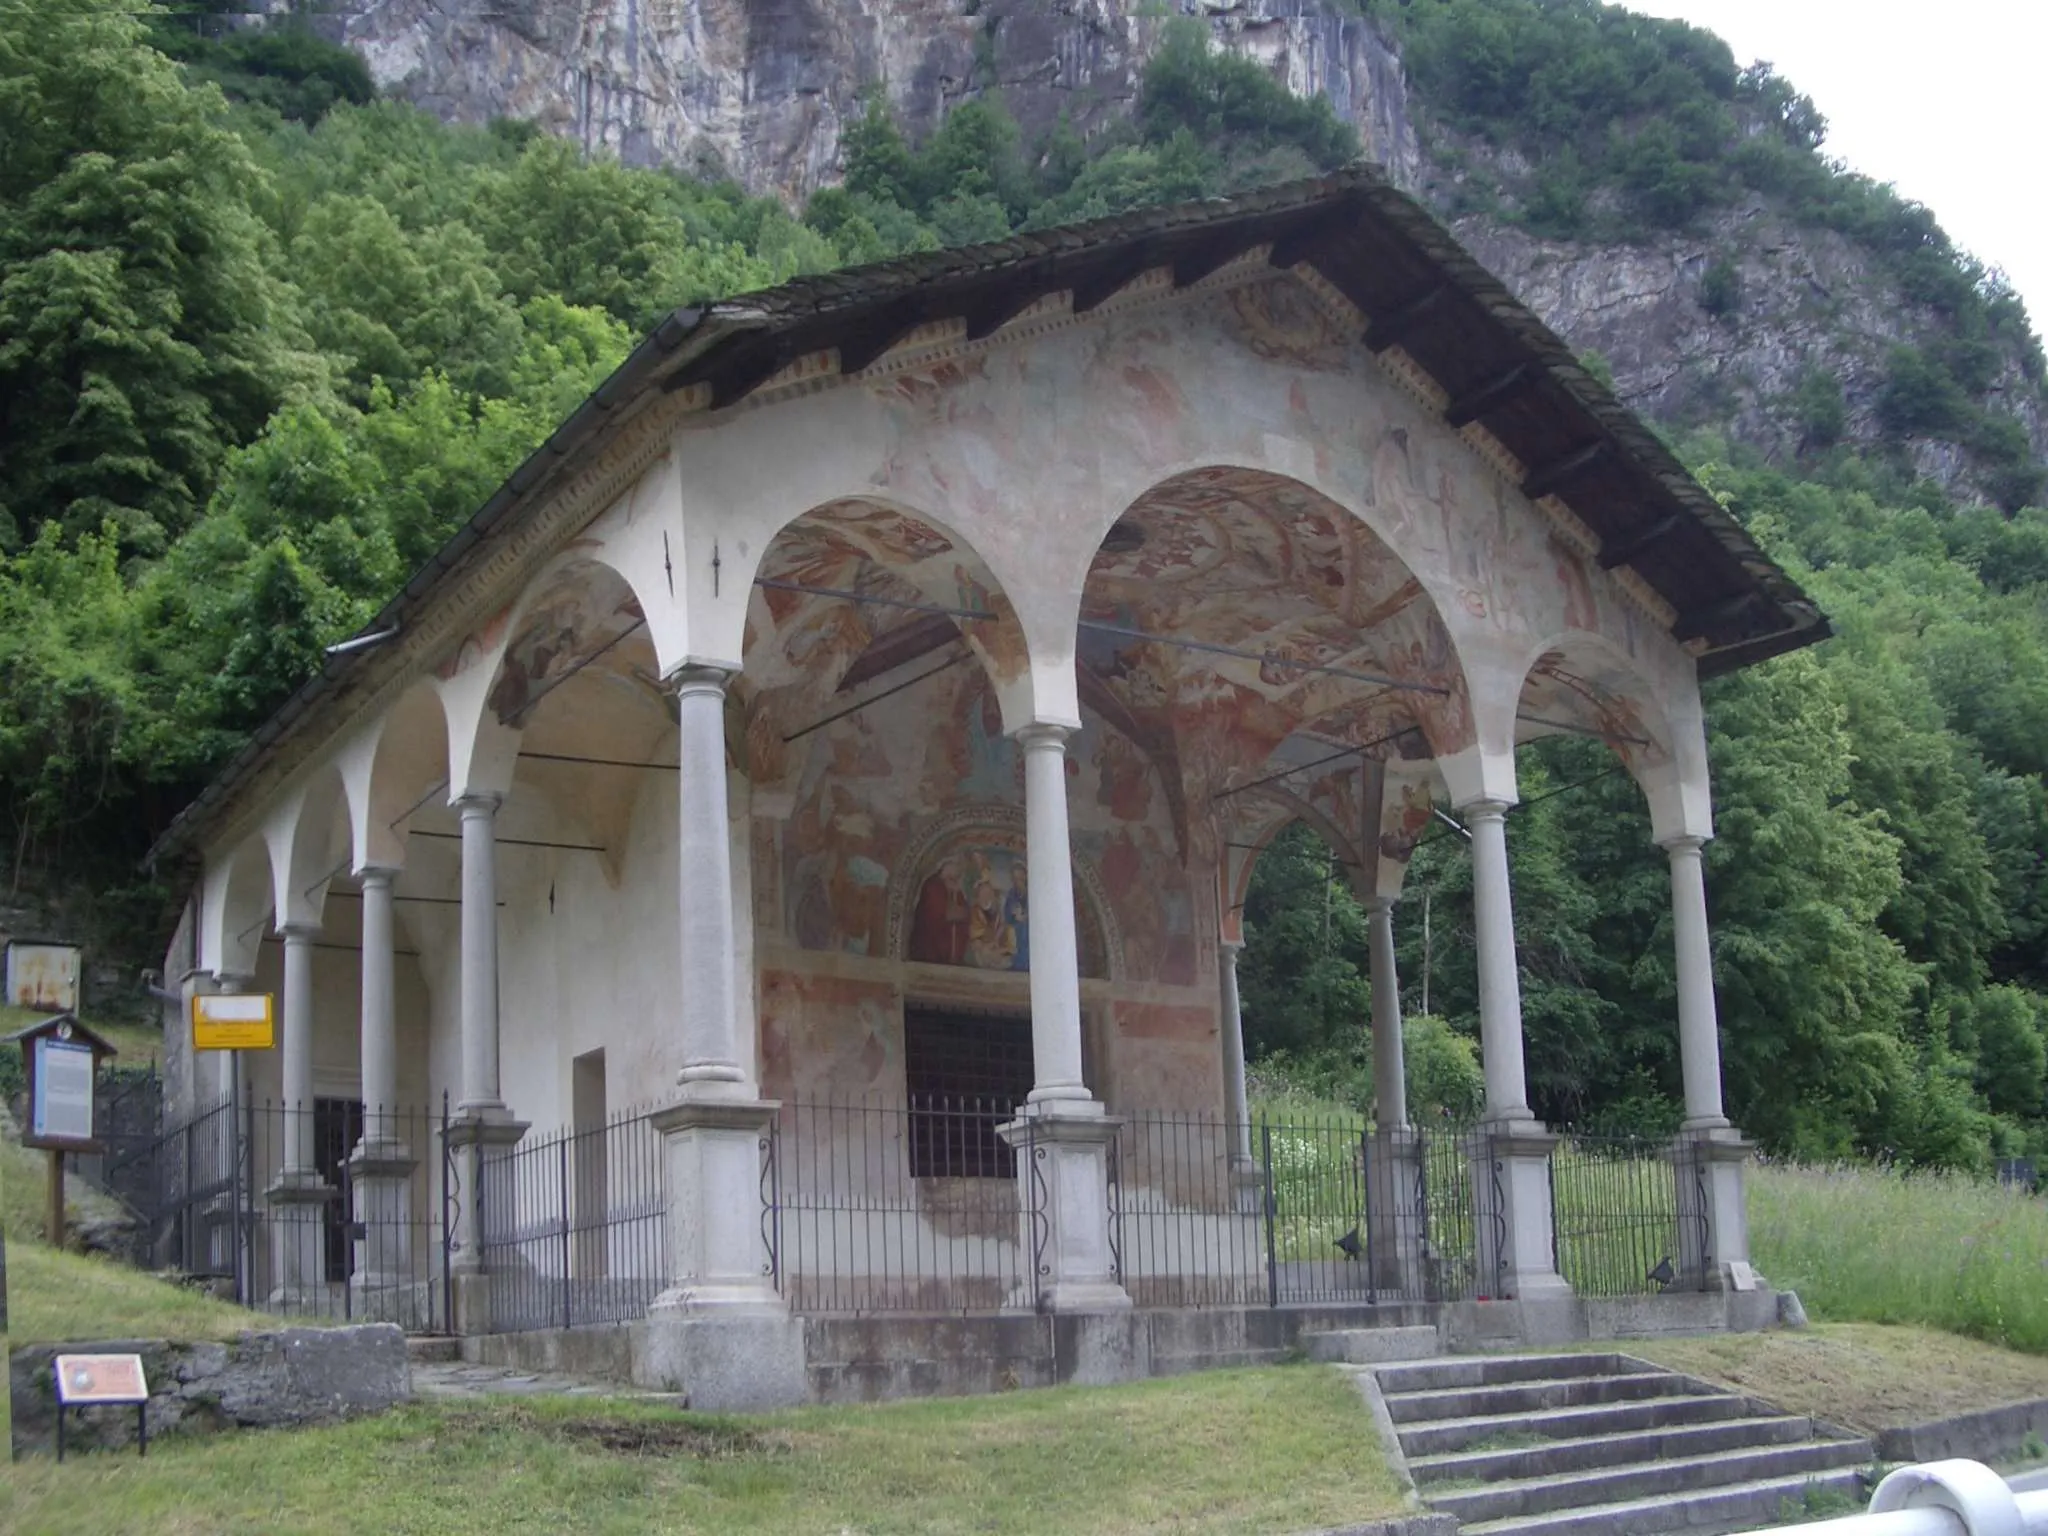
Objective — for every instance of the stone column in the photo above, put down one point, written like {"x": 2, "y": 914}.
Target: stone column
{"x": 1395, "y": 1176}
{"x": 1511, "y": 1159}
{"x": 479, "y": 1098}
{"x": 1060, "y": 1136}
{"x": 1711, "y": 1155}
{"x": 381, "y": 1164}
{"x": 298, "y": 1197}
{"x": 482, "y": 1130}
{"x": 1236, "y": 1106}
{"x": 720, "y": 1332}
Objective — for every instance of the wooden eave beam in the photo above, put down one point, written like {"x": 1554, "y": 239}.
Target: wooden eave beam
{"x": 1110, "y": 279}
{"x": 1547, "y": 479}
{"x": 987, "y": 315}
{"x": 1492, "y": 395}
{"x": 878, "y": 335}
{"x": 736, "y": 371}
{"x": 1197, "y": 262}
{"x": 1305, "y": 241}
{"x": 1383, "y": 331}
{"x": 1632, "y": 549}
{"x": 1704, "y": 621}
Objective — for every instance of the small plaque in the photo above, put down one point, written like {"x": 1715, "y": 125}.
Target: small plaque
{"x": 1740, "y": 1275}
{"x": 100, "y": 1379}
{"x": 233, "y": 1022}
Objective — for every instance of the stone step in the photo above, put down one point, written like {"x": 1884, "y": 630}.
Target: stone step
{"x": 1370, "y": 1346}
{"x": 423, "y": 1347}
{"x": 1684, "y": 1477}
{"x": 1737, "y": 1507}
{"x": 1554, "y": 1458}
{"x": 1496, "y": 1370}
{"x": 1442, "y": 1436}
{"x": 1531, "y": 1396}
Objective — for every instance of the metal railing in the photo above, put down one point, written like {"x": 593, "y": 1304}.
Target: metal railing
{"x": 1615, "y": 1217}
{"x": 571, "y": 1225}
{"x": 893, "y": 1205}
{"x": 1938, "y": 1498}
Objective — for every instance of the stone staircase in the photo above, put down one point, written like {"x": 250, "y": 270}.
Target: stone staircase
{"x": 1604, "y": 1445}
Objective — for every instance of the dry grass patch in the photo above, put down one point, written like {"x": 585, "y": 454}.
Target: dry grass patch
{"x": 1864, "y": 1376}
{"x": 1281, "y": 1449}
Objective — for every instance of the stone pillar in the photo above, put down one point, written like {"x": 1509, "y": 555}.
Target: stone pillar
{"x": 381, "y": 1164}
{"x": 1511, "y": 1159}
{"x": 298, "y": 1197}
{"x": 479, "y": 1097}
{"x": 1236, "y": 1105}
{"x": 1699, "y": 1031}
{"x": 1061, "y": 1137}
{"x": 1711, "y": 1156}
{"x": 720, "y": 1332}
{"x": 1394, "y": 1174}
{"x": 1055, "y": 950}
{"x": 482, "y": 1130}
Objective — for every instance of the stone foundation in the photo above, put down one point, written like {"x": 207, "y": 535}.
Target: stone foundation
{"x": 293, "y": 1377}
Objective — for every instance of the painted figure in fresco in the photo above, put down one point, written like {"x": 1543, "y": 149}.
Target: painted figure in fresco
{"x": 938, "y": 931}
{"x": 1017, "y": 917}
{"x": 991, "y": 946}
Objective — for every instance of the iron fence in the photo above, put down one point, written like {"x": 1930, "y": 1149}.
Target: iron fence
{"x": 1614, "y": 1216}
{"x": 571, "y": 1225}
{"x": 890, "y": 1205}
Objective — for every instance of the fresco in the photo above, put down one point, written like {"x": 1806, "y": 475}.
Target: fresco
{"x": 584, "y": 613}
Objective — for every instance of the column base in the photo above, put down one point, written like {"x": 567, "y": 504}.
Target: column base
{"x": 380, "y": 1176}
{"x": 1247, "y": 1187}
{"x": 728, "y": 1363}
{"x": 1396, "y": 1222}
{"x": 1713, "y": 1216}
{"x": 1063, "y": 1189}
{"x": 298, "y": 1239}
{"x": 1511, "y": 1200}
{"x": 720, "y": 1262}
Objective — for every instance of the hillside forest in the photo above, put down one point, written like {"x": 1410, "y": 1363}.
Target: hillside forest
{"x": 266, "y": 339}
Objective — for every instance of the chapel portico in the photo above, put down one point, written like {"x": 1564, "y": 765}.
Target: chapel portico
{"x": 850, "y": 740}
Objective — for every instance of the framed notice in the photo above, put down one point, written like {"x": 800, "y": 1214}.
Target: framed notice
{"x": 85, "y": 1381}
{"x": 60, "y": 1107}
{"x": 233, "y": 1021}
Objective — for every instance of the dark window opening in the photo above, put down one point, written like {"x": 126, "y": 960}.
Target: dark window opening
{"x": 337, "y": 1127}
{"x": 966, "y": 1073}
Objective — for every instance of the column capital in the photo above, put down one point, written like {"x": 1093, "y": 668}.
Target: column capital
{"x": 1484, "y": 809}
{"x": 1685, "y": 842}
{"x": 698, "y": 677}
{"x": 1230, "y": 947}
{"x": 376, "y": 874}
{"x": 297, "y": 932}
{"x": 1378, "y": 903}
{"x": 1040, "y": 735}
{"x": 479, "y": 802}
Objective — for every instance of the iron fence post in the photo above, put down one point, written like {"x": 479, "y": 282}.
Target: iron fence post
{"x": 1272, "y": 1215}
{"x": 562, "y": 1160}
{"x": 1372, "y": 1274}
{"x": 447, "y": 1227}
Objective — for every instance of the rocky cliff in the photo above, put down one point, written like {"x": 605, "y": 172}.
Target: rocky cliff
{"x": 760, "y": 90}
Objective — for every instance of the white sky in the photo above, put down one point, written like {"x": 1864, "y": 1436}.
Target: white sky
{"x": 1946, "y": 101}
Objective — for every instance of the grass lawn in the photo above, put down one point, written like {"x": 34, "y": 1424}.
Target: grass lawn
{"x": 1279, "y": 1449}
{"x": 138, "y": 1044}
{"x": 1864, "y": 1376}
{"x": 62, "y": 1297}
{"x": 1865, "y": 1245}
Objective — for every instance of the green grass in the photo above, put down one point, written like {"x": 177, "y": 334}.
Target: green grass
{"x": 1862, "y": 1245}
{"x": 1864, "y": 1376}
{"x": 1276, "y": 1449}
{"x": 67, "y": 1297}
{"x": 138, "y": 1044}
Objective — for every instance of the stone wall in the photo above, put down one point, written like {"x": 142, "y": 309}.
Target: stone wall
{"x": 293, "y": 1377}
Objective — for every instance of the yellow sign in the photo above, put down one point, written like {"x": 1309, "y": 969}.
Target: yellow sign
{"x": 233, "y": 1022}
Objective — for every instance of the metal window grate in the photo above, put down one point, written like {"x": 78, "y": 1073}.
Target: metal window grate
{"x": 965, "y": 1074}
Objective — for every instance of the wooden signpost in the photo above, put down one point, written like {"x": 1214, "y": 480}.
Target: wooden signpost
{"x": 61, "y": 1059}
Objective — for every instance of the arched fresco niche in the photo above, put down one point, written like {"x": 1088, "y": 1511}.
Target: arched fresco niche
{"x": 964, "y": 899}
{"x": 1244, "y": 626}
{"x": 1580, "y": 686}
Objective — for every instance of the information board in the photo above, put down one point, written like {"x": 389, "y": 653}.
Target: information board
{"x": 62, "y": 1108}
{"x": 242, "y": 1021}
{"x": 100, "y": 1379}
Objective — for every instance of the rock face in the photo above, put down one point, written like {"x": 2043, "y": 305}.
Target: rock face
{"x": 761, "y": 89}
{"x": 261, "y": 1380}
{"x": 1802, "y": 301}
